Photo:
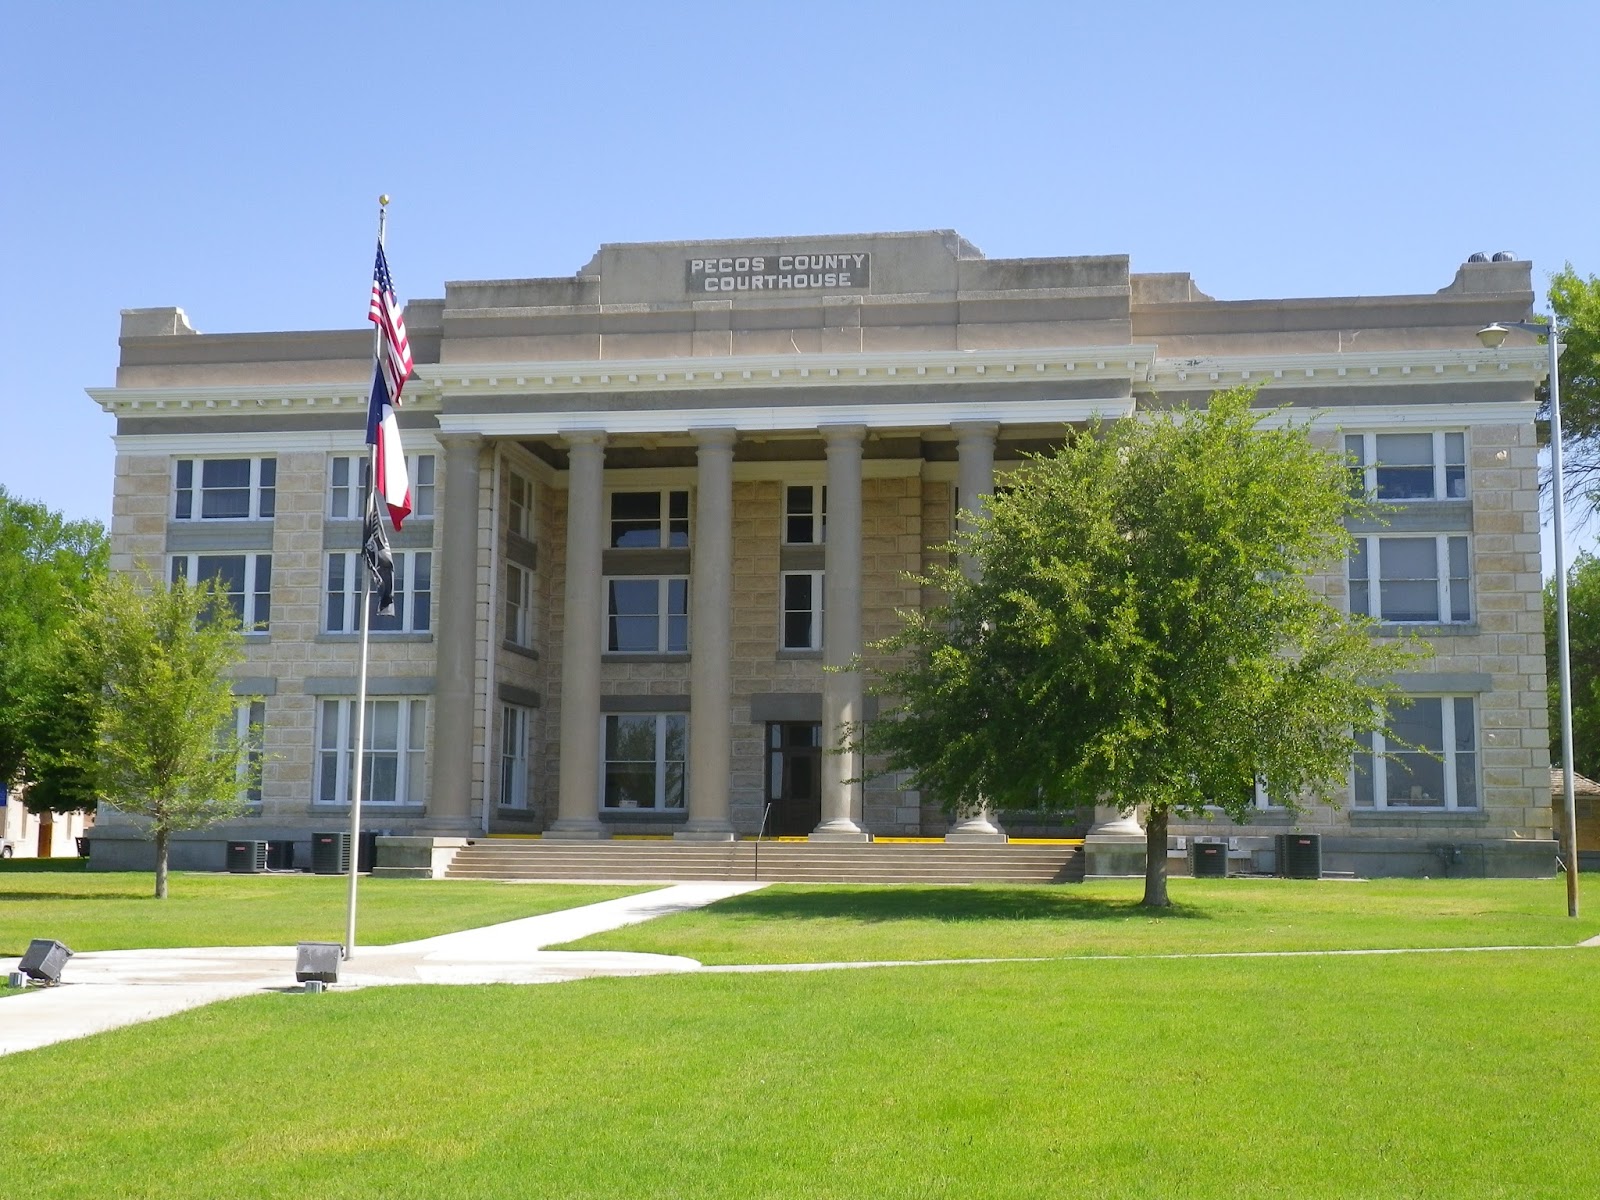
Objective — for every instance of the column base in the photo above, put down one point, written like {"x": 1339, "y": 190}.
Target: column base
{"x": 577, "y": 830}
{"x": 1113, "y": 857}
{"x": 977, "y": 830}
{"x": 446, "y": 827}
{"x": 840, "y": 829}
{"x": 718, "y": 831}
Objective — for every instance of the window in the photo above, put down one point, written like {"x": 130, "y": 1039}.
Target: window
{"x": 1433, "y": 763}
{"x": 519, "y": 505}
{"x": 247, "y": 578}
{"x": 1408, "y": 584}
{"x": 230, "y": 489}
{"x": 653, "y": 520}
{"x": 647, "y": 615}
{"x": 395, "y": 741}
{"x": 805, "y": 514}
{"x": 519, "y": 606}
{"x": 1410, "y": 466}
{"x": 645, "y": 756}
{"x": 413, "y": 593}
{"x": 347, "y": 485}
{"x": 802, "y": 610}
{"x": 515, "y": 724}
{"x": 250, "y": 719}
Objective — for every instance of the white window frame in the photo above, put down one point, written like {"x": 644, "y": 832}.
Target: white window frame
{"x": 663, "y": 614}
{"x": 818, "y": 514}
{"x": 197, "y": 491}
{"x": 335, "y": 750}
{"x": 407, "y": 566}
{"x": 516, "y": 731}
{"x": 519, "y": 605}
{"x": 519, "y": 505}
{"x": 250, "y": 727}
{"x": 1448, "y": 590}
{"x": 344, "y": 499}
{"x": 1450, "y": 802}
{"x": 816, "y": 610}
{"x": 664, "y": 523}
{"x": 661, "y": 763}
{"x": 251, "y": 619}
{"x": 1369, "y": 463}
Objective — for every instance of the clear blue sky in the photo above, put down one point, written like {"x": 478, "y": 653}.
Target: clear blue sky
{"x": 226, "y": 158}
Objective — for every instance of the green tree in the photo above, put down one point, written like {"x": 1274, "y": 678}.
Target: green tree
{"x": 1583, "y": 634}
{"x": 167, "y": 747}
{"x": 1575, "y": 301}
{"x": 1144, "y": 632}
{"x": 48, "y": 566}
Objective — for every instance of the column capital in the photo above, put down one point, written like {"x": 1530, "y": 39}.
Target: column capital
{"x": 715, "y": 437}
{"x": 842, "y": 435}
{"x": 966, "y": 430}
{"x": 460, "y": 441}
{"x": 583, "y": 437}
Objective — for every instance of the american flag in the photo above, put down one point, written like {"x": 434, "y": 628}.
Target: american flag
{"x": 389, "y": 377}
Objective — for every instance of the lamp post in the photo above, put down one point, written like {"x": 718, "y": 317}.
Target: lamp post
{"x": 1493, "y": 336}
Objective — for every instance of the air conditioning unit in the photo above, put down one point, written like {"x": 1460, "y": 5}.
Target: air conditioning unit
{"x": 330, "y": 853}
{"x": 1209, "y": 860}
{"x": 1299, "y": 855}
{"x": 247, "y": 858}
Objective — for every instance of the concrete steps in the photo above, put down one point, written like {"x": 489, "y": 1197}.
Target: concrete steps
{"x": 780, "y": 862}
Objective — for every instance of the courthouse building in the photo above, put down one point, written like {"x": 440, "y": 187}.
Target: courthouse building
{"x": 656, "y": 499}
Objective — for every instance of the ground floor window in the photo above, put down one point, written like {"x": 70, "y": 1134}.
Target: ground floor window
{"x": 645, "y": 756}
{"x": 1432, "y": 762}
{"x": 516, "y": 723}
{"x": 395, "y": 747}
{"x": 249, "y": 726}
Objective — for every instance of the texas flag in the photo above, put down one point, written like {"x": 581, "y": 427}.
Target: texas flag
{"x": 389, "y": 377}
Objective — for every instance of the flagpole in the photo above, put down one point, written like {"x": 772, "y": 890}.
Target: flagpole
{"x": 361, "y": 677}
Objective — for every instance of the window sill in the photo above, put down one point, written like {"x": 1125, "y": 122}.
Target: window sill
{"x": 785, "y": 654}
{"x": 385, "y": 635}
{"x": 1421, "y": 816}
{"x": 624, "y": 656}
{"x": 368, "y": 809}
{"x": 623, "y": 815}
{"x": 524, "y": 651}
{"x": 1425, "y": 629}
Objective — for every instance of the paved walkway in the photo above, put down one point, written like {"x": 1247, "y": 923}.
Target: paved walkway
{"x": 106, "y": 989}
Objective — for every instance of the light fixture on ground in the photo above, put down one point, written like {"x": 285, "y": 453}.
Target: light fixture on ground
{"x": 1494, "y": 336}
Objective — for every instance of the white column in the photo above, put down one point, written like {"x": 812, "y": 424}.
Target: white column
{"x": 450, "y": 798}
{"x": 578, "y": 811}
{"x": 974, "y": 479}
{"x": 841, "y": 636}
{"x": 710, "y": 642}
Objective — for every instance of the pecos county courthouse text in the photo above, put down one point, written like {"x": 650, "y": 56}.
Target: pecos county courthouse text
{"x": 779, "y": 272}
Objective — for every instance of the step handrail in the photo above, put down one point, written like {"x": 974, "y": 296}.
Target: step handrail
{"x": 765, "y": 813}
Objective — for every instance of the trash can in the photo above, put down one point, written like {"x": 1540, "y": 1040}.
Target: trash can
{"x": 1209, "y": 860}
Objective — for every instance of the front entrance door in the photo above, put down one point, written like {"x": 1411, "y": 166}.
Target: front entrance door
{"x": 794, "y": 777}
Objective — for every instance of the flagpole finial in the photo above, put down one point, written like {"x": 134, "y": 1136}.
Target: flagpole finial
{"x": 383, "y": 200}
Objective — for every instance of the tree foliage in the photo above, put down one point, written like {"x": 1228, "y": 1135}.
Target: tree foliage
{"x": 1575, "y": 301}
{"x": 1583, "y": 634}
{"x": 167, "y": 748}
{"x": 48, "y": 567}
{"x": 1144, "y": 631}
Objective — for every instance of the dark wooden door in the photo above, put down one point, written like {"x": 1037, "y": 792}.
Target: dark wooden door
{"x": 794, "y": 777}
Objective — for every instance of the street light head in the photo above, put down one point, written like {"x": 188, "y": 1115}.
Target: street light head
{"x": 1493, "y": 336}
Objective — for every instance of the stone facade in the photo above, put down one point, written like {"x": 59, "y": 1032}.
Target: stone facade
{"x": 872, "y": 380}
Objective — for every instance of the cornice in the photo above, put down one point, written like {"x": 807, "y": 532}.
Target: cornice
{"x": 1523, "y": 364}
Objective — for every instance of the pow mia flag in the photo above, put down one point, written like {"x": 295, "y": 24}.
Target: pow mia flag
{"x": 375, "y": 553}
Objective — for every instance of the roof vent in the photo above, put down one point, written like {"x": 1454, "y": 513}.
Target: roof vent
{"x": 1479, "y": 257}
{"x": 1504, "y": 256}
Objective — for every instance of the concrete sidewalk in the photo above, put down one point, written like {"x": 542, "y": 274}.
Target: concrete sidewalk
{"x": 107, "y": 989}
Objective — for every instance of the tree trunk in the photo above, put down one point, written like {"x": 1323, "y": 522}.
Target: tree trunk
{"x": 1155, "y": 860}
{"x": 162, "y": 837}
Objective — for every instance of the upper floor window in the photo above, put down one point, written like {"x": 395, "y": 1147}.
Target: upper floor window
{"x": 246, "y": 578}
{"x": 655, "y": 520}
{"x": 519, "y": 505}
{"x": 1410, "y": 466}
{"x": 224, "y": 489}
{"x": 802, "y": 610}
{"x": 1432, "y": 762}
{"x": 647, "y": 615}
{"x": 805, "y": 514}
{"x": 413, "y": 594}
{"x": 519, "y": 606}
{"x": 347, "y": 485}
{"x": 1417, "y": 579}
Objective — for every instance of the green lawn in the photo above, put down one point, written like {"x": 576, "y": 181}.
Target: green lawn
{"x": 1435, "y": 1075}
{"x": 842, "y": 923}
{"x": 115, "y": 910}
